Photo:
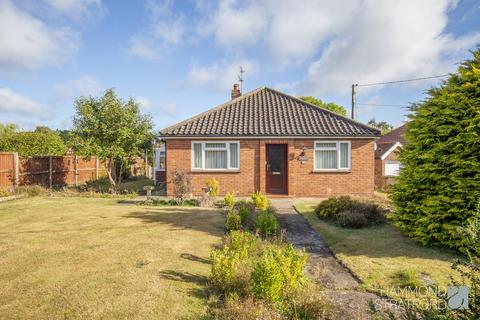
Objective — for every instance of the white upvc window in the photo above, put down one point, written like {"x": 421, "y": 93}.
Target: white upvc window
{"x": 160, "y": 157}
{"x": 332, "y": 155}
{"x": 215, "y": 155}
{"x": 392, "y": 168}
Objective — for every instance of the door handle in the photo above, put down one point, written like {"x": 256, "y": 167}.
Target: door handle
{"x": 268, "y": 166}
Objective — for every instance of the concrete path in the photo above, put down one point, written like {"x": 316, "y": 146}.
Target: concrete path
{"x": 342, "y": 287}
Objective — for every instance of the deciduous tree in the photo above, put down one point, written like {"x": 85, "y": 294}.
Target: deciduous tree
{"x": 112, "y": 129}
{"x": 329, "y": 106}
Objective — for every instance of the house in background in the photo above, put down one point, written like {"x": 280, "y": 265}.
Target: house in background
{"x": 269, "y": 141}
{"x": 387, "y": 166}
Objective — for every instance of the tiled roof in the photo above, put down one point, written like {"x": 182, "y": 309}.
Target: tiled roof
{"x": 267, "y": 112}
{"x": 396, "y": 135}
{"x": 386, "y": 142}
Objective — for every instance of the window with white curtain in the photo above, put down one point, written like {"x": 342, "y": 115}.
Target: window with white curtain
{"x": 332, "y": 155}
{"x": 215, "y": 155}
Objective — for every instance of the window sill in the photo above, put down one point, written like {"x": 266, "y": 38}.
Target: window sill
{"x": 332, "y": 171}
{"x": 215, "y": 170}
{"x": 156, "y": 169}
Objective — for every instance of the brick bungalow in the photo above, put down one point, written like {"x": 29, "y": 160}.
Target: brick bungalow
{"x": 387, "y": 166}
{"x": 270, "y": 141}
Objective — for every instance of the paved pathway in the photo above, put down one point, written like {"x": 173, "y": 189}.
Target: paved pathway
{"x": 341, "y": 286}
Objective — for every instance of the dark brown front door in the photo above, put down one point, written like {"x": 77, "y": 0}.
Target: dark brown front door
{"x": 277, "y": 168}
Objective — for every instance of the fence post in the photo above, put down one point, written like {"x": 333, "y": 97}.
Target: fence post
{"x": 96, "y": 167}
{"x": 50, "y": 172}
{"x": 15, "y": 169}
{"x": 76, "y": 170}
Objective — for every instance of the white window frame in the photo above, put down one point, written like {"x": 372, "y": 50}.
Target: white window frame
{"x": 336, "y": 148}
{"x": 394, "y": 173}
{"x": 157, "y": 157}
{"x": 227, "y": 148}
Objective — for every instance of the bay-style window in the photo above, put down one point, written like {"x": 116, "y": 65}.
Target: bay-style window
{"x": 332, "y": 155}
{"x": 215, "y": 155}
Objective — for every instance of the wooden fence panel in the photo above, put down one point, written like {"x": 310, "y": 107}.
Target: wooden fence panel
{"x": 49, "y": 171}
{"x": 7, "y": 169}
{"x": 34, "y": 170}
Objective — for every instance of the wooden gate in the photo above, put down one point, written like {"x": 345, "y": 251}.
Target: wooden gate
{"x": 8, "y": 172}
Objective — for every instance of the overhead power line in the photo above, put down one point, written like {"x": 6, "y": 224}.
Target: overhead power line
{"x": 354, "y": 111}
{"x": 383, "y": 105}
{"x": 400, "y": 81}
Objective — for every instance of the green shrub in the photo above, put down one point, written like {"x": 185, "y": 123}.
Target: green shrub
{"x": 240, "y": 243}
{"x": 233, "y": 222}
{"x": 227, "y": 272}
{"x": 244, "y": 204}
{"x": 214, "y": 187}
{"x": 34, "y": 143}
{"x": 332, "y": 206}
{"x": 260, "y": 200}
{"x": 244, "y": 213}
{"x": 278, "y": 272}
{"x": 224, "y": 269}
{"x": 350, "y": 213}
{"x": 439, "y": 185}
{"x": 267, "y": 224}
{"x": 100, "y": 185}
{"x": 229, "y": 200}
{"x": 351, "y": 219}
{"x": 249, "y": 272}
{"x": 4, "y": 193}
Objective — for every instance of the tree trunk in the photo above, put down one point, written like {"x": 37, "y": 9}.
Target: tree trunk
{"x": 108, "y": 167}
{"x": 119, "y": 180}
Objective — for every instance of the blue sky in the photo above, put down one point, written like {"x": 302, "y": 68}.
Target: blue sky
{"x": 179, "y": 58}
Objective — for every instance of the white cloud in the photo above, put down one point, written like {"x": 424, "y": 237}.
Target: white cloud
{"x": 28, "y": 43}
{"x": 391, "y": 40}
{"x": 165, "y": 30}
{"x": 220, "y": 76}
{"x": 143, "y": 102}
{"x": 12, "y": 102}
{"x": 78, "y": 10}
{"x": 169, "y": 109}
{"x": 84, "y": 86}
{"x": 342, "y": 42}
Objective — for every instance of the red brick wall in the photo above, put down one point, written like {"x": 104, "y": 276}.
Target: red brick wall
{"x": 302, "y": 180}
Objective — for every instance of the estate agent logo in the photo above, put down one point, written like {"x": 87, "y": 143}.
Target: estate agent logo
{"x": 457, "y": 297}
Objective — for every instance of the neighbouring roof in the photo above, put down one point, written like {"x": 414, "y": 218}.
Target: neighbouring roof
{"x": 267, "y": 112}
{"x": 389, "y": 142}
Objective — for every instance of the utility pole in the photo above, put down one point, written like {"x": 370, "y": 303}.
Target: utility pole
{"x": 354, "y": 111}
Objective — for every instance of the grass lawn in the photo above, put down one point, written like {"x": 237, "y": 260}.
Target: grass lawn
{"x": 377, "y": 255}
{"x": 93, "y": 258}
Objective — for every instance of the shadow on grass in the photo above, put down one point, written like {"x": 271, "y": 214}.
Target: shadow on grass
{"x": 204, "y": 220}
{"x": 187, "y": 277}
{"x": 192, "y": 257}
{"x": 183, "y": 277}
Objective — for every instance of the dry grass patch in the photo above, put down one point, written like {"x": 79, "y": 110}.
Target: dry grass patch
{"x": 93, "y": 258}
{"x": 381, "y": 255}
